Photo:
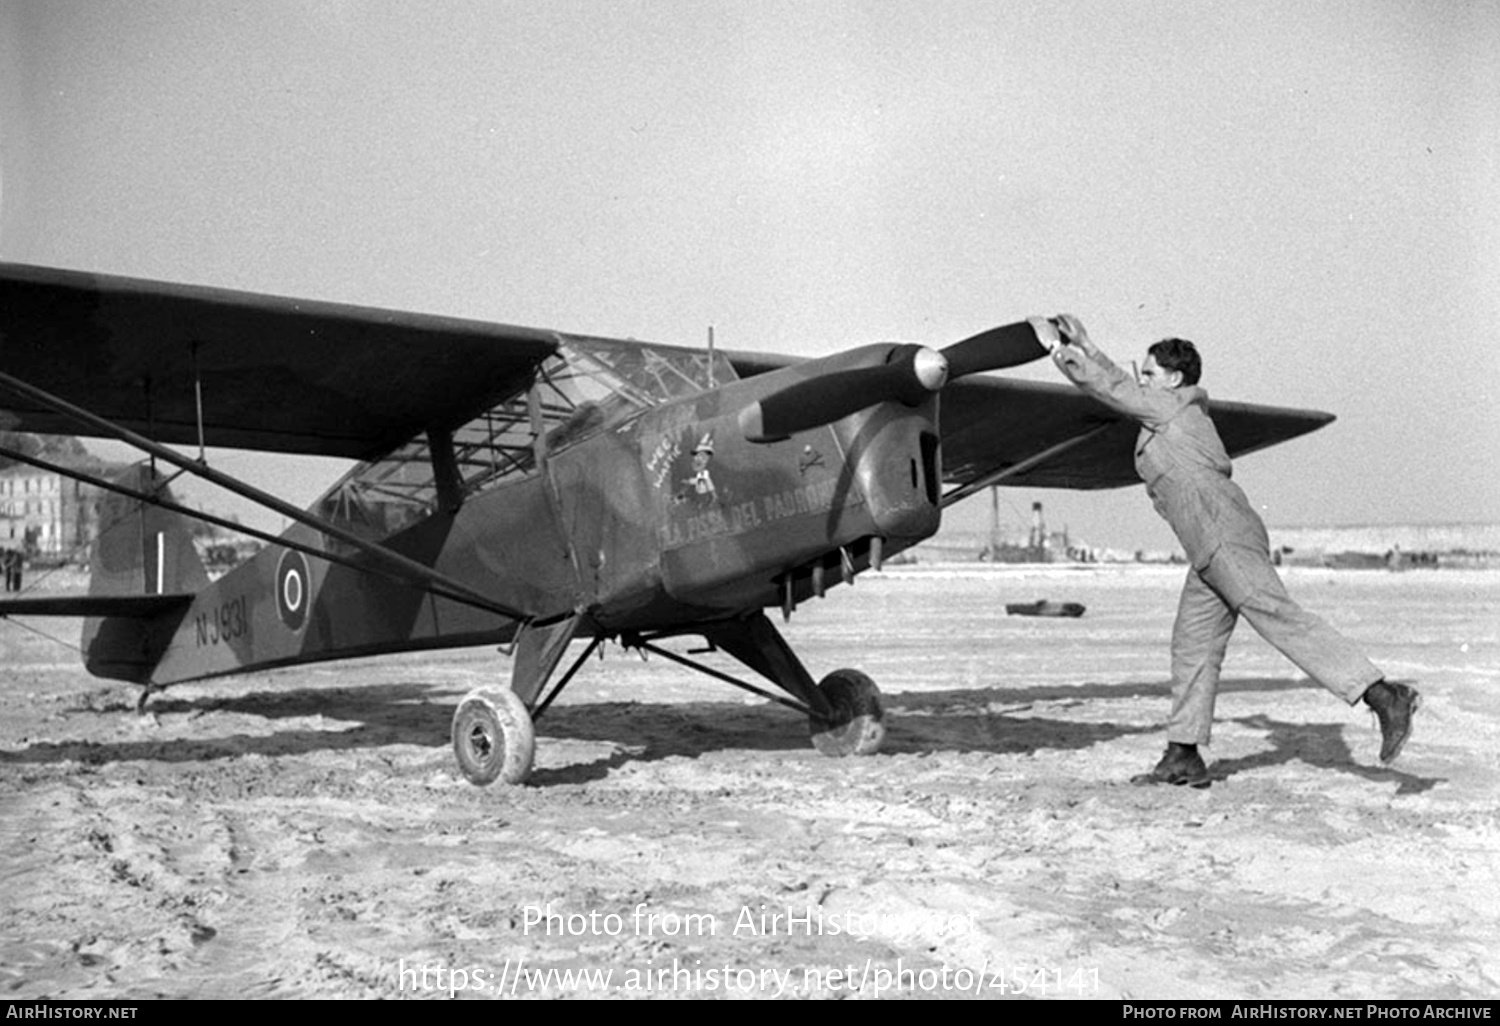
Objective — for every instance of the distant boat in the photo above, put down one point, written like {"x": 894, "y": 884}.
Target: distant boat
{"x": 1044, "y": 607}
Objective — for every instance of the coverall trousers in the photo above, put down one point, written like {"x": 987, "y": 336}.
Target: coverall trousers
{"x": 1240, "y": 581}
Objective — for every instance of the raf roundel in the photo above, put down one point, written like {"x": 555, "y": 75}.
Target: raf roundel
{"x": 292, "y": 590}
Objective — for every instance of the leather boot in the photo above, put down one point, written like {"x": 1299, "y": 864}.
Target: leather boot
{"x": 1180, "y": 765}
{"x": 1395, "y": 707}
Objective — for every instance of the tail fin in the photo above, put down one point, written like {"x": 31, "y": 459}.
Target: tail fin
{"x": 141, "y": 550}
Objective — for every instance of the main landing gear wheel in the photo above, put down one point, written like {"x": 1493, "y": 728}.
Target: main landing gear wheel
{"x": 857, "y": 725}
{"x": 493, "y": 738}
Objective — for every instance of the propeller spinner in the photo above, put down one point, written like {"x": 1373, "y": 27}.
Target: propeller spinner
{"x": 908, "y": 375}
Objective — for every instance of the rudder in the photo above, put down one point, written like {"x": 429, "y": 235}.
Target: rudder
{"x": 141, "y": 549}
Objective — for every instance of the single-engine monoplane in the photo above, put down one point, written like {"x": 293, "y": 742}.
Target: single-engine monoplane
{"x": 520, "y": 487}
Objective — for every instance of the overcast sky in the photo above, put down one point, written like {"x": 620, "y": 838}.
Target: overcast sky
{"x": 1308, "y": 190}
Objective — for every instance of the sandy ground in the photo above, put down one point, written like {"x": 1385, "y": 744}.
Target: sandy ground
{"x": 304, "y": 832}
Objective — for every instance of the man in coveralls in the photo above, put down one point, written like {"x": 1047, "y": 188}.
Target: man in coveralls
{"x": 1179, "y": 455}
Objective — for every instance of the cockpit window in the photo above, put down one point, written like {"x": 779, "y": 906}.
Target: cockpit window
{"x": 587, "y": 386}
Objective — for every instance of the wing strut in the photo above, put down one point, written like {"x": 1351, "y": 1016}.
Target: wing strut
{"x": 1016, "y": 468}
{"x": 251, "y": 532}
{"x": 395, "y": 564}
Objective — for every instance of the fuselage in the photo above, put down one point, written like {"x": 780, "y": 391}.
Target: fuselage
{"x": 655, "y": 518}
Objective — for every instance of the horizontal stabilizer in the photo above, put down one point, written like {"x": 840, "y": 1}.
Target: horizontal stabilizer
{"x": 141, "y": 607}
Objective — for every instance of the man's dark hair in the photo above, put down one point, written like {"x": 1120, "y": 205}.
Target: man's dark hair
{"x": 1178, "y": 354}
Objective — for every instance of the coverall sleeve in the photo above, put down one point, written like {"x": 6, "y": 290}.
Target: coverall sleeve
{"x": 1086, "y": 366}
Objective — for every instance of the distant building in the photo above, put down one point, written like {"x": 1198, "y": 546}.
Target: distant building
{"x": 49, "y": 515}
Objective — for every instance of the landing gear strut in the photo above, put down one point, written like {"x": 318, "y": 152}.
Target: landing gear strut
{"x": 494, "y": 739}
{"x": 843, "y": 710}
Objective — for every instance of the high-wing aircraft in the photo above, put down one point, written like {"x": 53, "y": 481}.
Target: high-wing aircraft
{"x": 521, "y": 487}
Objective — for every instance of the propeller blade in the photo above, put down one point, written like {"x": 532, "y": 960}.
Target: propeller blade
{"x": 909, "y": 375}
{"x": 822, "y": 400}
{"x": 1007, "y": 346}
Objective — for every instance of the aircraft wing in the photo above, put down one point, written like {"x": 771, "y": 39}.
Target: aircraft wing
{"x": 1044, "y": 435}
{"x": 1040, "y": 435}
{"x": 276, "y": 374}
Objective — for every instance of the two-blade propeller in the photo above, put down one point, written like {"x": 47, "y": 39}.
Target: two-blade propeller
{"x": 909, "y": 374}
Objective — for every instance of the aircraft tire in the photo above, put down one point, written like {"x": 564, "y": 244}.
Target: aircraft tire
{"x": 858, "y": 724}
{"x": 493, "y": 738}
